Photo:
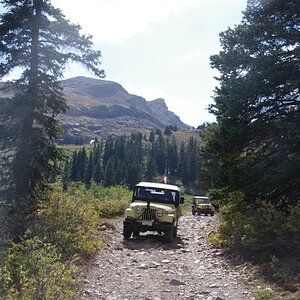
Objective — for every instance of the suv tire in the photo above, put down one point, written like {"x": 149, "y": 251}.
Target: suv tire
{"x": 175, "y": 232}
{"x": 169, "y": 234}
{"x": 127, "y": 231}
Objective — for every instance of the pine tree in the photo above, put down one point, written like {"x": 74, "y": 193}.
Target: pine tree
{"x": 82, "y": 162}
{"x": 66, "y": 176}
{"x": 152, "y": 136}
{"x": 108, "y": 150}
{"x": 257, "y": 104}
{"x": 74, "y": 176}
{"x": 99, "y": 173}
{"x": 110, "y": 173}
{"x": 161, "y": 154}
{"x": 192, "y": 158}
{"x": 133, "y": 175}
{"x": 172, "y": 156}
{"x": 90, "y": 170}
{"x": 181, "y": 159}
{"x": 36, "y": 37}
{"x": 150, "y": 171}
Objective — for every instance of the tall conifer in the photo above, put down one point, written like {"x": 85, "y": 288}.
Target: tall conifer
{"x": 37, "y": 38}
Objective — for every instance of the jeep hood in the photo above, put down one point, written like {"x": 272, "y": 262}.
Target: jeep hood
{"x": 154, "y": 205}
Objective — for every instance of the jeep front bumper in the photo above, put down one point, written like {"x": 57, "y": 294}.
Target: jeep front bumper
{"x": 146, "y": 225}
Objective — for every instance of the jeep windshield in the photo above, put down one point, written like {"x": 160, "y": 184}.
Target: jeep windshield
{"x": 201, "y": 200}
{"x": 154, "y": 194}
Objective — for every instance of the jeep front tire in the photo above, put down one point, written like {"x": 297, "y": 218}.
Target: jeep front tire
{"x": 175, "y": 231}
{"x": 127, "y": 231}
{"x": 169, "y": 234}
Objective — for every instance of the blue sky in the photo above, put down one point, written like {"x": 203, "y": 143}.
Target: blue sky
{"x": 158, "y": 48}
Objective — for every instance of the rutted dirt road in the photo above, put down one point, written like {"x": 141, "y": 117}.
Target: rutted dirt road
{"x": 146, "y": 267}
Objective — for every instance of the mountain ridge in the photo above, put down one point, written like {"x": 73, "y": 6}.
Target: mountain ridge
{"x": 101, "y": 107}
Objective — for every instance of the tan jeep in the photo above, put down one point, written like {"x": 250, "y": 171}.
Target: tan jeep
{"x": 202, "y": 205}
{"x": 154, "y": 207}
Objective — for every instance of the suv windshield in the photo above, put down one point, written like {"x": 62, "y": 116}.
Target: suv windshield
{"x": 155, "y": 195}
{"x": 203, "y": 200}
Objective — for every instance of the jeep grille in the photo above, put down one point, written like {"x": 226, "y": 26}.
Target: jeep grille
{"x": 148, "y": 214}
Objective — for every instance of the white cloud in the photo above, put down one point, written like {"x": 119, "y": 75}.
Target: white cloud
{"x": 195, "y": 55}
{"x": 113, "y": 21}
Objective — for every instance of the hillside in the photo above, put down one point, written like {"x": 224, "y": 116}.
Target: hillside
{"x": 101, "y": 107}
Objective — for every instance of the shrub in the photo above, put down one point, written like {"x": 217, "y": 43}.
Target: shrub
{"x": 42, "y": 265}
{"x": 68, "y": 223}
{"x": 262, "y": 232}
{"x": 255, "y": 227}
{"x": 32, "y": 270}
{"x": 108, "y": 202}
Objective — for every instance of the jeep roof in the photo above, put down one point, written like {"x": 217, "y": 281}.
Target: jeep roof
{"x": 158, "y": 186}
{"x": 200, "y": 197}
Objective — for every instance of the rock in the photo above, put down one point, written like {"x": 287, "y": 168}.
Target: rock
{"x": 142, "y": 266}
{"x": 87, "y": 292}
{"x": 147, "y": 268}
{"x": 108, "y": 225}
{"x": 176, "y": 282}
{"x": 155, "y": 265}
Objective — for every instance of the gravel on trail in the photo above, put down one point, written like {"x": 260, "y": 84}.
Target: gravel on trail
{"x": 146, "y": 267}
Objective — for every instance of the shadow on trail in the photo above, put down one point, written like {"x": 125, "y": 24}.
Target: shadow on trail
{"x": 152, "y": 241}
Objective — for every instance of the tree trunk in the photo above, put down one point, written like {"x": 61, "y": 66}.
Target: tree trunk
{"x": 25, "y": 153}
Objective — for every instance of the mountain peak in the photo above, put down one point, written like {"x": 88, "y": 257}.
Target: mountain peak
{"x": 160, "y": 102}
{"x": 101, "y": 107}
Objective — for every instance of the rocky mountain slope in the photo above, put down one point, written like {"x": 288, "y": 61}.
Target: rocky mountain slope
{"x": 99, "y": 107}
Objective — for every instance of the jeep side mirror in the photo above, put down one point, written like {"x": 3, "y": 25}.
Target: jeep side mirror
{"x": 181, "y": 199}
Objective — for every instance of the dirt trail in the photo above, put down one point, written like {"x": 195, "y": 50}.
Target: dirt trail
{"x": 146, "y": 267}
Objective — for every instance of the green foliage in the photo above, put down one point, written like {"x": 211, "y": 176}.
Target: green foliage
{"x": 128, "y": 160}
{"x": 265, "y": 235}
{"x": 252, "y": 152}
{"x": 186, "y": 206}
{"x": 264, "y": 294}
{"x": 33, "y": 269}
{"x": 37, "y": 38}
{"x": 69, "y": 223}
{"x": 259, "y": 228}
{"x": 256, "y": 142}
{"x": 42, "y": 265}
{"x": 107, "y": 202}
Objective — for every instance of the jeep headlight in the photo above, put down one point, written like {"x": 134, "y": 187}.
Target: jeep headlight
{"x": 138, "y": 210}
{"x": 159, "y": 213}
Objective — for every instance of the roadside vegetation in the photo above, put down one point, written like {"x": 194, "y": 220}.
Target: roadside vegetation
{"x": 37, "y": 263}
{"x": 252, "y": 152}
{"x": 48, "y": 261}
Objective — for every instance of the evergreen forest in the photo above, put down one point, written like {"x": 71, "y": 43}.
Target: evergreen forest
{"x": 126, "y": 160}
